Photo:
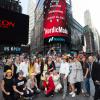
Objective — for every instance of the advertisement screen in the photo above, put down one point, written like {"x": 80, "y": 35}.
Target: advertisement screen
{"x": 55, "y": 21}
{"x": 14, "y": 28}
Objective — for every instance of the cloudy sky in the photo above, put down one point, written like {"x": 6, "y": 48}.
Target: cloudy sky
{"x": 78, "y": 8}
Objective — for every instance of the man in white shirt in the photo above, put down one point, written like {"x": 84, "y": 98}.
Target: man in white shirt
{"x": 64, "y": 72}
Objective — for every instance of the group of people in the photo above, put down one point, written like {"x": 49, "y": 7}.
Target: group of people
{"x": 70, "y": 75}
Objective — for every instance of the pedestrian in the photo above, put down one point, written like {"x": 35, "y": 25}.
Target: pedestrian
{"x": 79, "y": 75}
{"x": 72, "y": 76}
{"x": 64, "y": 72}
{"x": 37, "y": 71}
{"x": 96, "y": 79}
{"x": 24, "y": 66}
{"x": 86, "y": 75}
{"x": 92, "y": 64}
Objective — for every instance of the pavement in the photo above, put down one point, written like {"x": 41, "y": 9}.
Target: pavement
{"x": 59, "y": 97}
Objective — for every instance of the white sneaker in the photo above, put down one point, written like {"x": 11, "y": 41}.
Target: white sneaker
{"x": 64, "y": 96}
{"x": 73, "y": 95}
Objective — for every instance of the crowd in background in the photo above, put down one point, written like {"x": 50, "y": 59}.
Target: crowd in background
{"x": 25, "y": 77}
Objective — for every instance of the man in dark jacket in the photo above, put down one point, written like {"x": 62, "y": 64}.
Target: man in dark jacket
{"x": 96, "y": 79}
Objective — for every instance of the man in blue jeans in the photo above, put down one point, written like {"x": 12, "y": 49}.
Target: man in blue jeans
{"x": 64, "y": 72}
{"x": 86, "y": 74}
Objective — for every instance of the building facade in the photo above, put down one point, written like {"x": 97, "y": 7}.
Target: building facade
{"x": 92, "y": 37}
{"x": 31, "y": 8}
{"x": 12, "y": 5}
{"x": 55, "y": 27}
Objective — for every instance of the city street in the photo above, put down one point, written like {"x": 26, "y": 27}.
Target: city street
{"x": 49, "y": 46}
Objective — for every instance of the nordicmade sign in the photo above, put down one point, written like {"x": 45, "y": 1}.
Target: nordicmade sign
{"x": 56, "y": 30}
{"x": 55, "y": 21}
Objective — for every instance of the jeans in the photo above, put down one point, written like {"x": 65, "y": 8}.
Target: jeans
{"x": 63, "y": 83}
{"x": 87, "y": 85}
{"x": 92, "y": 87}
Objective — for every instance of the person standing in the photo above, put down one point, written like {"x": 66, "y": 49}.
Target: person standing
{"x": 17, "y": 65}
{"x": 24, "y": 66}
{"x": 64, "y": 72}
{"x": 50, "y": 64}
{"x": 79, "y": 75}
{"x": 95, "y": 74}
{"x": 57, "y": 63}
{"x": 37, "y": 71}
{"x": 9, "y": 65}
{"x": 72, "y": 76}
{"x": 86, "y": 75}
{"x": 92, "y": 65}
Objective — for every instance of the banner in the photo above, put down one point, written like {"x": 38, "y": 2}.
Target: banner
{"x": 55, "y": 20}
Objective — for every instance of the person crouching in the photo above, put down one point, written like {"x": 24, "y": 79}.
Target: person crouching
{"x": 32, "y": 84}
{"x": 48, "y": 84}
{"x": 56, "y": 79}
{"x": 19, "y": 86}
{"x": 7, "y": 86}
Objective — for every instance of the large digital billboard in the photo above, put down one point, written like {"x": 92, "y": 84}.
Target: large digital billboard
{"x": 14, "y": 28}
{"x": 55, "y": 21}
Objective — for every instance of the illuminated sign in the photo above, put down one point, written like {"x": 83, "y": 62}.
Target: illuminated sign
{"x": 14, "y": 28}
{"x": 56, "y": 39}
{"x": 6, "y": 24}
{"x": 55, "y": 21}
{"x": 12, "y": 49}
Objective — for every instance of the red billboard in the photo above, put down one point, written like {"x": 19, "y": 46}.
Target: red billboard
{"x": 55, "y": 21}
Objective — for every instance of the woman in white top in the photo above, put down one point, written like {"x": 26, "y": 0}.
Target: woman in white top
{"x": 72, "y": 76}
{"x": 79, "y": 75}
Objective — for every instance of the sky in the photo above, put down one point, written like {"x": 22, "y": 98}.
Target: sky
{"x": 78, "y": 8}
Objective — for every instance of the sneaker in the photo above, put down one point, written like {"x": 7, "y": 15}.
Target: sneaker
{"x": 52, "y": 95}
{"x": 64, "y": 96}
{"x": 87, "y": 95}
{"x": 73, "y": 95}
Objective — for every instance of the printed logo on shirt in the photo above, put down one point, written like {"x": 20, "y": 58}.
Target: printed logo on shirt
{"x": 20, "y": 83}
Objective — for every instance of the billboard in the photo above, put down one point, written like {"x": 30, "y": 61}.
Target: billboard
{"x": 14, "y": 28}
{"x": 55, "y": 21}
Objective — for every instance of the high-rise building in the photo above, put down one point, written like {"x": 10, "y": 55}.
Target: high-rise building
{"x": 87, "y": 18}
{"x": 31, "y": 8}
{"x": 13, "y": 5}
{"x": 91, "y": 34}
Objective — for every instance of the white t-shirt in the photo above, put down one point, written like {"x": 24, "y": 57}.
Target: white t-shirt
{"x": 24, "y": 68}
